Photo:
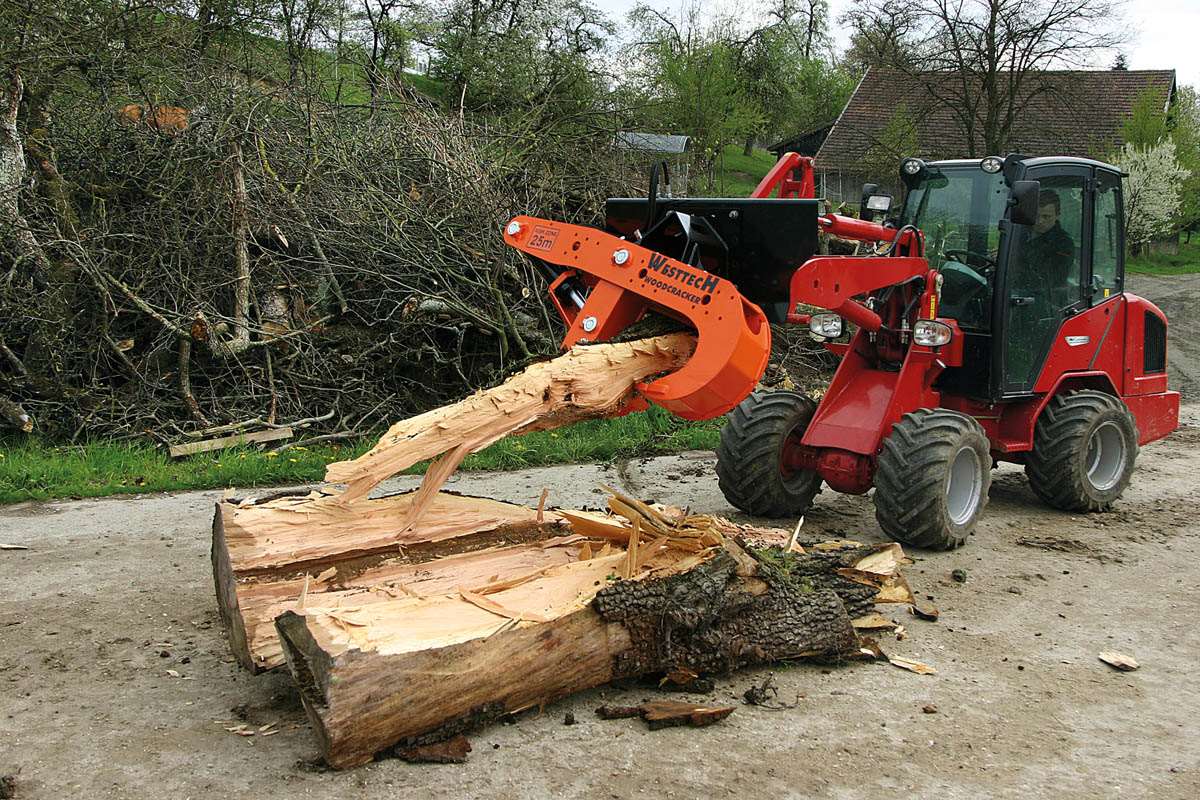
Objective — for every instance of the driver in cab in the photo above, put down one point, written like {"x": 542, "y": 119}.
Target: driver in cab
{"x": 1045, "y": 262}
{"x": 1050, "y": 251}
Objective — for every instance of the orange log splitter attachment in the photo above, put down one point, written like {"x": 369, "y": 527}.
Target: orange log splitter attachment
{"x": 624, "y": 281}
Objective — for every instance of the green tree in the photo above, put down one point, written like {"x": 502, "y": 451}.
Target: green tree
{"x": 1147, "y": 123}
{"x": 1185, "y": 132}
{"x": 792, "y": 84}
{"x": 691, "y": 77}
{"x": 506, "y": 55}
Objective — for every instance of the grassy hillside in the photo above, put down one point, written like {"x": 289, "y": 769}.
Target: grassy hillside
{"x": 737, "y": 174}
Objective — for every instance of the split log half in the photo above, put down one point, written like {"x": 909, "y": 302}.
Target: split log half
{"x": 586, "y": 382}
{"x": 267, "y": 554}
{"x": 414, "y": 670}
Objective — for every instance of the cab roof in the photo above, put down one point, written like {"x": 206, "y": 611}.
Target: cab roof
{"x": 1036, "y": 161}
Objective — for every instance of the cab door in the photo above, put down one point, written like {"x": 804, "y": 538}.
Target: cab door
{"x": 1044, "y": 275}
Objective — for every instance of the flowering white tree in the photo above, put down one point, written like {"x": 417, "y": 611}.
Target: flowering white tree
{"x": 1151, "y": 190}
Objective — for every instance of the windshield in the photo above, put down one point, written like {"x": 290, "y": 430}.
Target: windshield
{"x": 959, "y": 210}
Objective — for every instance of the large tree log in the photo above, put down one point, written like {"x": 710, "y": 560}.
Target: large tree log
{"x": 586, "y": 382}
{"x": 267, "y": 554}
{"x": 417, "y": 669}
{"x": 261, "y": 549}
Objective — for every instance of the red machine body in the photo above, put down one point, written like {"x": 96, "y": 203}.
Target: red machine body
{"x": 862, "y": 403}
{"x": 884, "y": 373}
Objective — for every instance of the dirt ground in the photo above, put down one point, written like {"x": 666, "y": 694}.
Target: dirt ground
{"x": 113, "y": 594}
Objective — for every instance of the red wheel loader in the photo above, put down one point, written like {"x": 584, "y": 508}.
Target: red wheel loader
{"x": 990, "y": 323}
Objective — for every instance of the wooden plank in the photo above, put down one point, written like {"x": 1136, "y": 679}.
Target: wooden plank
{"x": 256, "y": 437}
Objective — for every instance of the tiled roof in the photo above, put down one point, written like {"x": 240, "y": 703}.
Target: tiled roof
{"x": 806, "y": 143}
{"x": 1079, "y": 113}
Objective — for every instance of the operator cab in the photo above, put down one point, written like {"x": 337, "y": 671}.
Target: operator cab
{"x": 1021, "y": 244}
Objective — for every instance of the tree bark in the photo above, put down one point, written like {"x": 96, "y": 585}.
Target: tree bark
{"x": 259, "y": 547}
{"x": 412, "y": 618}
{"x": 14, "y": 416}
{"x": 241, "y": 252}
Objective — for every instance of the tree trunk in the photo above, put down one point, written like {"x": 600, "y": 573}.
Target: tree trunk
{"x": 14, "y": 416}
{"x": 241, "y": 253}
{"x": 419, "y": 669}
{"x": 260, "y": 548}
{"x": 269, "y": 556}
{"x": 44, "y": 355}
{"x": 748, "y": 150}
{"x": 411, "y": 618}
{"x": 14, "y": 227}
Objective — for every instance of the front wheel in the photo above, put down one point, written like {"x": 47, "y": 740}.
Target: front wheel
{"x": 751, "y": 465}
{"x": 932, "y": 479}
{"x": 1084, "y": 446}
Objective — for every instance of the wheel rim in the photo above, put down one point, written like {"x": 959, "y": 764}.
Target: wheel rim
{"x": 1105, "y": 459}
{"x": 964, "y": 485}
{"x": 793, "y": 477}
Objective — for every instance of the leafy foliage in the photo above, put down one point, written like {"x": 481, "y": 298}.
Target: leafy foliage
{"x": 1185, "y": 133}
{"x": 1151, "y": 190}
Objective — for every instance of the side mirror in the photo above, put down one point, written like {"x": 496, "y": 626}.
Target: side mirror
{"x": 1024, "y": 202}
{"x": 873, "y": 203}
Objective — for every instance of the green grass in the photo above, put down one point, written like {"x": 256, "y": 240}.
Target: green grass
{"x": 737, "y": 174}
{"x": 427, "y": 86}
{"x": 35, "y": 470}
{"x": 1187, "y": 261}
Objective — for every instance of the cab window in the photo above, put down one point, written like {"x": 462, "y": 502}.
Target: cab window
{"x": 1106, "y": 238}
{"x": 959, "y": 209}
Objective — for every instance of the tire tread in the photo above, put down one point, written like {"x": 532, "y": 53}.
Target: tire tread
{"x": 748, "y": 470}
{"x": 909, "y": 483}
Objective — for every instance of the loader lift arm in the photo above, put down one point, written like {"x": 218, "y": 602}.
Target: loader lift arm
{"x": 601, "y": 284}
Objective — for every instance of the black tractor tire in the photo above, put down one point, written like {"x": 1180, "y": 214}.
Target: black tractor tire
{"x": 932, "y": 479}
{"x": 750, "y": 457}
{"x": 1085, "y": 444}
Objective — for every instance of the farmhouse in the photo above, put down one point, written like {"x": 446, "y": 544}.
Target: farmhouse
{"x": 893, "y": 114}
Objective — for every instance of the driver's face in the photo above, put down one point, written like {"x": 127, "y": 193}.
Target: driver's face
{"x": 1046, "y": 218}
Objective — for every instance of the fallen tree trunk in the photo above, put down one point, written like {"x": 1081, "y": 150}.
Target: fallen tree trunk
{"x": 15, "y": 416}
{"x": 268, "y": 555}
{"x": 418, "y": 669}
{"x": 410, "y": 619}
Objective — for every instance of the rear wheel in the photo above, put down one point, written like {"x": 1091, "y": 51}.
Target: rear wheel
{"x": 1084, "y": 447}
{"x": 932, "y": 479}
{"x": 751, "y": 468}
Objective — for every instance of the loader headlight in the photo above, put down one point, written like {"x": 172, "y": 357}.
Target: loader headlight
{"x": 931, "y": 334}
{"x": 991, "y": 164}
{"x": 828, "y": 326}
